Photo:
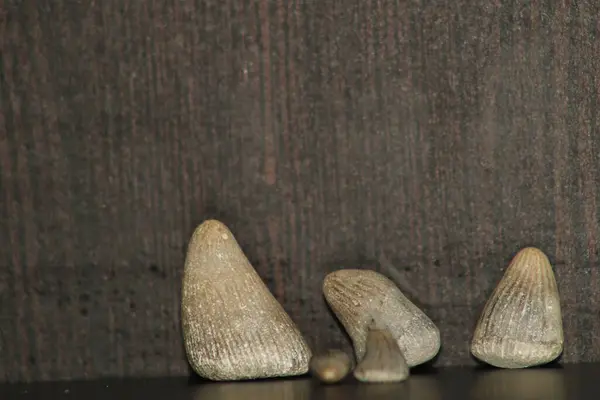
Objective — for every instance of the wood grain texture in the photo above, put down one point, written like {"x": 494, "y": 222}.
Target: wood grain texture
{"x": 427, "y": 140}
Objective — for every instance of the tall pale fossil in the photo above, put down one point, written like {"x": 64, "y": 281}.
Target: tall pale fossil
{"x": 364, "y": 298}
{"x": 521, "y": 323}
{"x": 233, "y": 327}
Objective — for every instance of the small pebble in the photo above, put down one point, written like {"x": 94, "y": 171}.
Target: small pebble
{"x": 330, "y": 367}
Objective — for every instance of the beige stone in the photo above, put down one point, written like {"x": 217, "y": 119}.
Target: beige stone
{"x": 363, "y": 298}
{"x": 331, "y": 366}
{"x": 233, "y": 327}
{"x": 521, "y": 323}
{"x": 383, "y": 360}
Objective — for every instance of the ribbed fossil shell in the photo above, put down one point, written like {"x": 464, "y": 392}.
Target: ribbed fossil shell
{"x": 233, "y": 327}
{"x": 364, "y": 298}
{"x": 331, "y": 366}
{"x": 383, "y": 360}
{"x": 521, "y": 323}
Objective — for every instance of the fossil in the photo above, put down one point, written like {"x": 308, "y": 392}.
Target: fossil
{"x": 233, "y": 327}
{"x": 331, "y": 366}
{"x": 363, "y": 298}
{"x": 521, "y": 323}
{"x": 383, "y": 361}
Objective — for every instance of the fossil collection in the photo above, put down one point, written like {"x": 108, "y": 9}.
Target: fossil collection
{"x": 235, "y": 329}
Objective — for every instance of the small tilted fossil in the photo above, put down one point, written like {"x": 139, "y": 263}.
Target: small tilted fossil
{"x": 233, "y": 327}
{"x": 521, "y": 323}
{"x": 363, "y": 298}
{"x": 331, "y": 366}
{"x": 383, "y": 360}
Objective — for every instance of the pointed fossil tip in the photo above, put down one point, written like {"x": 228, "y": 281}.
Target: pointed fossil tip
{"x": 529, "y": 257}
{"x": 383, "y": 360}
{"x": 211, "y": 225}
{"x": 209, "y": 232}
{"x": 533, "y": 253}
{"x": 531, "y": 249}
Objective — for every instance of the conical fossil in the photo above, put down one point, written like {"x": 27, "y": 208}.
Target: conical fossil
{"x": 360, "y": 298}
{"x": 331, "y": 367}
{"x": 383, "y": 360}
{"x": 233, "y": 327}
{"x": 521, "y": 324}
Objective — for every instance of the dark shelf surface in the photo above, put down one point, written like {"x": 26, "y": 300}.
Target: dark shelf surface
{"x": 578, "y": 381}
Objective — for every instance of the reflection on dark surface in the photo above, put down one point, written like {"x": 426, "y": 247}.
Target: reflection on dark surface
{"x": 284, "y": 389}
{"x": 524, "y": 384}
{"x": 571, "y": 382}
{"x": 463, "y": 384}
{"x": 424, "y": 387}
{"x": 352, "y": 390}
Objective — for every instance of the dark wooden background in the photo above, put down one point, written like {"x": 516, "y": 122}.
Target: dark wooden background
{"x": 429, "y": 140}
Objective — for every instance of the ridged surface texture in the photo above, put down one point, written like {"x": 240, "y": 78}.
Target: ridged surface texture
{"x": 521, "y": 323}
{"x": 364, "y": 298}
{"x": 233, "y": 327}
{"x": 383, "y": 360}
